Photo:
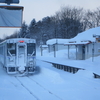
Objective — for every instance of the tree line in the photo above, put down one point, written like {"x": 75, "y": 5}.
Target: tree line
{"x": 66, "y": 24}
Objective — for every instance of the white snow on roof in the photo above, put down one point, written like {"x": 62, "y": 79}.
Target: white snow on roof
{"x": 84, "y": 36}
{"x": 79, "y": 43}
{"x": 45, "y": 46}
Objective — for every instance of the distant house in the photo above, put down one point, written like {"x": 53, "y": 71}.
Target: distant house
{"x": 44, "y": 46}
{"x": 86, "y": 44}
{"x": 56, "y": 44}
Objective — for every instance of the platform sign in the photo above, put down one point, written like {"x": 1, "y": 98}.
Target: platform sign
{"x": 11, "y": 16}
{"x": 9, "y": 1}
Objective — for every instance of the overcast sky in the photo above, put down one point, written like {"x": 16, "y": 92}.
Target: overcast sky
{"x": 39, "y": 9}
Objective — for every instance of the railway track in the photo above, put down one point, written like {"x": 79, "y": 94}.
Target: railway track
{"x": 36, "y": 90}
{"x": 35, "y": 97}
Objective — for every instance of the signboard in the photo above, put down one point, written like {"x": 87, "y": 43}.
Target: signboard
{"x": 9, "y": 1}
{"x": 11, "y": 16}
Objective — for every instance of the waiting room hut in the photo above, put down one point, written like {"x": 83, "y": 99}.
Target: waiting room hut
{"x": 84, "y": 49}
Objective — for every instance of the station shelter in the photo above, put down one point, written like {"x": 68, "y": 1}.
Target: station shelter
{"x": 84, "y": 49}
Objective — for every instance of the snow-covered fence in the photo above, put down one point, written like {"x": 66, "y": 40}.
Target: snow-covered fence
{"x": 96, "y": 75}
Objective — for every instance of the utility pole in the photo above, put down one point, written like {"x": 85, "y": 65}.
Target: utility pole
{"x": 93, "y": 52}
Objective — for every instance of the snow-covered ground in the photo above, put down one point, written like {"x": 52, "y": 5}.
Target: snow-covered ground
{"x": 49, "y": 83}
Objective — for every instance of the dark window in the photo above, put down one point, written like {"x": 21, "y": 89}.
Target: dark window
{"x": 11, "y": 49}
{"x": 31, "y": 49}
{"x": 1, "y": 50}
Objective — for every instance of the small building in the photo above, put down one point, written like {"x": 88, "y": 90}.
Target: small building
{"x": 56, "y": 44}
{"x": 83, "y": 49}
{"x": 44, "y": 47}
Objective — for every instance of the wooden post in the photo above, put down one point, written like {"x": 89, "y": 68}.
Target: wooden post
{"x": 41, "y": 51}
{"x": 68, "y": 51}
{"x": 93, "y": 52}
{"x": 54, "y": 50}
{"x": 76, "y": 52}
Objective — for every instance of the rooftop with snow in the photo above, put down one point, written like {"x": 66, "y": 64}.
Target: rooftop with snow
{"x": 80, "y": 38}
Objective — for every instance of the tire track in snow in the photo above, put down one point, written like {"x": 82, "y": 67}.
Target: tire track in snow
{"x": 27, "y": 88}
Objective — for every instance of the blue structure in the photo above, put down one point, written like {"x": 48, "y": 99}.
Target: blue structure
{"x": 9, "y": 1}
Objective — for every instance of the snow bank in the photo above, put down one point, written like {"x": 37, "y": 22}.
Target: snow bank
{"x": 53, "y": 76}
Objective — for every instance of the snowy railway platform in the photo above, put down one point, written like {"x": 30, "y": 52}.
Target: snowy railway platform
{"x": 80, "y": 52}
{"x": 62, "y": 62}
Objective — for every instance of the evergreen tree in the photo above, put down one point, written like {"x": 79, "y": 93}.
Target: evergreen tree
{"x": 23, "y": 31}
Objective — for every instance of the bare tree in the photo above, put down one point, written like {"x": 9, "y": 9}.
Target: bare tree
{"x": 70, "y": 21}
{"x": 92, "y": 19}
{"x": 97, "y": 17}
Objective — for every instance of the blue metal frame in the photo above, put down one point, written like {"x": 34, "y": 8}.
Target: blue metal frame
{"x": 9, "y": 1}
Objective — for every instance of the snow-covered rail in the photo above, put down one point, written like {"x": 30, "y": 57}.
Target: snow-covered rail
{"x": 35, "y": 89}
{"x": 35, "y": 97}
